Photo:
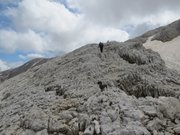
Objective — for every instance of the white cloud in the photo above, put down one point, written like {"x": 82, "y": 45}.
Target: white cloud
{"x": 9, "y": 65}
{"x": 30, "y": 56}
{"x": 43, "y": 26}
{"x": 164, "y": 17}
{"x": 3, "y": 66}
{"x": 122, "y": 11}
{"x": 15, "y": 64}
{"x": 44, "y": 15}
{"x": 50, "y": 27}
{"x": 97, "y": 34}
{"x": 31, "y": 41}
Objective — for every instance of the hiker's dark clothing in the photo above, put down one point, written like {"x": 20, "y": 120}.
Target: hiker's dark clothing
{"x": 101, "y": 46}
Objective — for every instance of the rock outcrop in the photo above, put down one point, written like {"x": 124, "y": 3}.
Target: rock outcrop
{"x": 62, "y": 97}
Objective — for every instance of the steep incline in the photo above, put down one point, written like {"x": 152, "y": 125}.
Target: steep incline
{"x": 62, "y": 96}
{"x": 169, "y": 51}
{"x": 164, "y": 40}
{"x": 164, "y": 33}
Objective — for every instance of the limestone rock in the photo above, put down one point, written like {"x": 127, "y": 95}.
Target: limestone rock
{"x": 35, "y": 120}
{"x": 84, "y": 121}
{"x": 28, "y": 132}
{"x": 66, "y": 115}
{"x": 54, "y": 124}
{"x": 74, "y": 126}
{"x": 97, "y": 127}
{"x": 43, "y": 132}
{"x": 177, "y": 129}
{"x": 89, "y": 130}
{"x": 155, "y": 124}
{"x": 170, "y": 107}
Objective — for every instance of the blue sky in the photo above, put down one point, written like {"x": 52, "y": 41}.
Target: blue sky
{"x": 47, "y": 28}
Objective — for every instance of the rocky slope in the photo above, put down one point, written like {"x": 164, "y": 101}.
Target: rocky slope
{"x": 164, "y": 33}
{"x": 5, "y": 75}
{"x": 169, "y": 51}
{"x": 164, "y": 40}
{"x": 62, "y": 97}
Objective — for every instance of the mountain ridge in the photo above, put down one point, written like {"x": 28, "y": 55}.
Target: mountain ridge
{"x": 163, "y": 33}
{"x": 5, "y": 75}
{"x": 62, "y": 96}
{"x": 175, "y": 26}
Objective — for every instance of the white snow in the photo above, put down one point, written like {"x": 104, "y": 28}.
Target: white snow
{"x": 169, "y": 51}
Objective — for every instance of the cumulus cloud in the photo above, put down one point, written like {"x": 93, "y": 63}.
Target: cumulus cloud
{"x": 97, "y": 34}
{"x": 44, "y": 15}
{"x": 42, "y": 26}
{"x": 51, "y": 27}
{"x": 125, "y": 13}
{"x": 118, "y": 11}
{"x": 30, "y": 40}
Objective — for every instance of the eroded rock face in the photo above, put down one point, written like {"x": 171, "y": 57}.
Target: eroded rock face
{"x": 145, "y": 66}
{"x": 62, "y": 97}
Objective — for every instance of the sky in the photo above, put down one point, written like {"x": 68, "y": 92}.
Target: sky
{"x": 47, "y": 28}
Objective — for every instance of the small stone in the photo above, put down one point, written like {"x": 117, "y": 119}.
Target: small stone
{"x": 177, "y": 129}
{"x": 43, "y": 132}
{"x": 167, "y": 133}
{"x": 28, "y": 132}
{"x": 64, "y": 128}
{"x": 72, "y": 109}
{"x": 54, "y": 124}
{"x": 80, "y": 133}
{"x": 97, "y": 127}
{"x": 89, "y": 130}
{"x": 84, "y": 121}
{"x": 154, "y": 124}
{"x": 160, "y": 133}
{"x": 113, "y": 115}
{"x": 177, "y": 121}
{"x": 74, "y": 126}
{"x": 155, "y": 132}
{"x": 66, "y": 115}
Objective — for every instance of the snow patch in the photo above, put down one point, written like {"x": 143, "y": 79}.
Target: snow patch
{"x": 169, "y": 51}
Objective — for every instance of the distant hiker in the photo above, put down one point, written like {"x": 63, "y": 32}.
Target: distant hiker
{"x": 101, "y": 46}
{"x": 101, "y": 86}
{"x": 108, "y": 43}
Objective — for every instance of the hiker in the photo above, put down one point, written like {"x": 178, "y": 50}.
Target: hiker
{"x": 101, "y": 46}
{"x": 108, "y": 43}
